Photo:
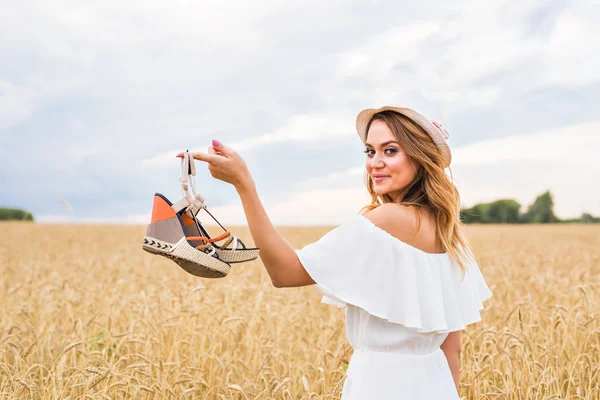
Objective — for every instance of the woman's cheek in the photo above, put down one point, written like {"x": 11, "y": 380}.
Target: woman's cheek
{"x": 395, "y": 164}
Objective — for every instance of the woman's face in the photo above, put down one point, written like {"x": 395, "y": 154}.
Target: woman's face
{"x": 388, "y": 166}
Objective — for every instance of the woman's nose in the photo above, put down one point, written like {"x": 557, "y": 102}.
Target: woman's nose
{"x": 376, "y": 161}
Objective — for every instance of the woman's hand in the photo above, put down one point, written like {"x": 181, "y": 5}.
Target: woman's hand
{"x": 277, "y": 255}
{"x": 225, "y": 164}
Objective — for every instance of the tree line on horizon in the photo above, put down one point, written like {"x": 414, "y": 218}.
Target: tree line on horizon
{"x": 14, "y": 214}
{"x": 508, "y": 211}
{"x": 503, "y": 211}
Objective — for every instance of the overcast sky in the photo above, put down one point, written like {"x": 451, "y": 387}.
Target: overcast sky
{"x": 96, "y": 99}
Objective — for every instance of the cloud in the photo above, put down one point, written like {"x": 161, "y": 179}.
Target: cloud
{"x": 15, "y": 105}
{"x": 563, "y": 160}
{"x": 313, "y": 207}
{"x": 299, "y": 128}
{"x": 94, "y": 109}
{"x": 574, "y": 145}
{"x": 372, "y": 59}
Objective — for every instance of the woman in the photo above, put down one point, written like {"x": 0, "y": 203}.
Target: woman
{"x": 402, "y": 269}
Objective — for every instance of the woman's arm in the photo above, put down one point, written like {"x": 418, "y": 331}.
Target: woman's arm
{"x": 451, "y": 348}
{"x": 278, "y": 257}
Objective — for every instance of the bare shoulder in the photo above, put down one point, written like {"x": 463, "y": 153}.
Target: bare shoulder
{"x": 398, "y": 220}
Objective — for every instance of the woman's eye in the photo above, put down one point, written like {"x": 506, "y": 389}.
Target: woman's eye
{"x": 389, "y": 151}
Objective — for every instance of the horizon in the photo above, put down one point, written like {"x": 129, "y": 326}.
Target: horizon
{"x": 210, "y": 222}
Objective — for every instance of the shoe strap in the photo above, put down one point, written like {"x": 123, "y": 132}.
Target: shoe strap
{"x": 191, "y": 204}
{"x": 206, "y": 242}
{"x": 198, "y": 204}
{"x": 209, "y": 240}
{"x": 188, "y": 170}
{"x": 190, "y": 201}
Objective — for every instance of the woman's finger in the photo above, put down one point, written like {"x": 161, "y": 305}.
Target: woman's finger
{"x": 222, "y": 149}
{"x": 209, "y": 158}
{"x": 211, "y": 150}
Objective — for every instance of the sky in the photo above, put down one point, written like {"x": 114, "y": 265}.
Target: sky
{"x": 97, "y": 97}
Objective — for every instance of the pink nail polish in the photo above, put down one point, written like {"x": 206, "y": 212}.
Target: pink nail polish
{"x": 216, "y": 143}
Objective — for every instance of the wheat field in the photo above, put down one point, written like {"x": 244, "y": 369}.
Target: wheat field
{"x": 86, "y": 314}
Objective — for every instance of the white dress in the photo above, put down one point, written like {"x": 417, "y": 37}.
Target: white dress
{"x": 401, "y": 303}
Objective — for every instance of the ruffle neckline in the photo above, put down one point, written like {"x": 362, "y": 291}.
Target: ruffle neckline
{"x": 420, "y": 290}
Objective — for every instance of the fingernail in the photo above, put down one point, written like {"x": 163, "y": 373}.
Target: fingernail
{"x": 216, "y": 143}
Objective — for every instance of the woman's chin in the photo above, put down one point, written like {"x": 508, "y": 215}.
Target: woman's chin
{"x": 380, "y": 191}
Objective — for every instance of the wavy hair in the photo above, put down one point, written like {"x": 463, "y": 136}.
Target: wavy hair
{"x": 431, "y": 188}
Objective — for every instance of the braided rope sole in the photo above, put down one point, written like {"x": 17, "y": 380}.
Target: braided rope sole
{"x": 191, "y": 260}
{"x": 238, "y": 255}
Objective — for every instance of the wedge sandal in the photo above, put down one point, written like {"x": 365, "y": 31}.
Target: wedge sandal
{"x": 166, "y": 237}
{"x": 231, "y": 249}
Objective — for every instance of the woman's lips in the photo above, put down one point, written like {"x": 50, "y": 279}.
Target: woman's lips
{"x": 378, "y": 179}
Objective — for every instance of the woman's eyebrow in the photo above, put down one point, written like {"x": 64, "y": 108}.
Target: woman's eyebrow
{"x": 383, "y": 144}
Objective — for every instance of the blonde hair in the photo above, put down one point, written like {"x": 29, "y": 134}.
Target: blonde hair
{"x": 431, "y": 187}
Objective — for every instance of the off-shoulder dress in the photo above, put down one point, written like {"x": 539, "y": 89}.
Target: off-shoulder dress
{"x": 400, "y": 303}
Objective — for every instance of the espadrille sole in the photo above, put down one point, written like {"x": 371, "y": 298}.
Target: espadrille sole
{"x": 191, "y": 260}
{"x": 237, "y": 256}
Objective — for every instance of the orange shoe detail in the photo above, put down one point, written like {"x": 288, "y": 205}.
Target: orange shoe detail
{"x": 161, "y": 210}
{"x": 198, "y": 239}
{"x": 205, "y": 239}
{"x": 220, "y": 237}
{"x": 187, "y": 221}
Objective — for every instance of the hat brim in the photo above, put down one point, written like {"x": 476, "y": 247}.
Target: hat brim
{"x": 365, "y": 116}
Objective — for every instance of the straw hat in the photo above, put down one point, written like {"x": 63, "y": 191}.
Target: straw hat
{"x": 434, "y": 129}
